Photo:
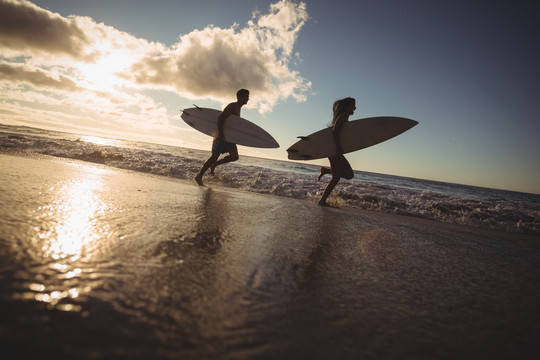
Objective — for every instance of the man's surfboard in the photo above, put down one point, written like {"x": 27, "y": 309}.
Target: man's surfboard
{"x": 355, "y": 135}
{"x": 236, "y": 130}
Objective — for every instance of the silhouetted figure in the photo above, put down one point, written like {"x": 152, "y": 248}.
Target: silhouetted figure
{"x": 339, "y": 166}
{"x": 220, "y": 146}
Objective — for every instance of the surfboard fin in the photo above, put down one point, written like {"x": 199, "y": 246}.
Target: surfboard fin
{"x": 303, "y": 137}
{"x": 197, "y": 107}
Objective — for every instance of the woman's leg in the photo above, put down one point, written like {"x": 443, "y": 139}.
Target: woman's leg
{"x": 335, "y": 169}
{"x": 347, "y": 171}
{"x": 324, "y": 171}
{"x": 339, "y": 167}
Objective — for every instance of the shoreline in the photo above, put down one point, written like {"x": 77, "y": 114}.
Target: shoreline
{"x": 222, "y": 180}
{"x": 206, "y": 151}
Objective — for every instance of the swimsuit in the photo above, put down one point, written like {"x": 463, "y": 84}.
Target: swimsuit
{"x": 221, "y": 147}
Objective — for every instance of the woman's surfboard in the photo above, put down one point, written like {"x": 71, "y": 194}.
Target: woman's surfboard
{"x": 236, "y": 130}
{"x": 355, "y": 135}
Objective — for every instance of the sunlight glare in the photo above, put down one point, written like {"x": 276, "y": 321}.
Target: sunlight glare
{"x": 99, "y": 140}
{"x": 76, "y": 210}
{"x": 72, "y": 232}
{"x": 101, "y": 75}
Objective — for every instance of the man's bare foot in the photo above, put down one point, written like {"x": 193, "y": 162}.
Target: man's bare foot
{"x": 198, "y": 179}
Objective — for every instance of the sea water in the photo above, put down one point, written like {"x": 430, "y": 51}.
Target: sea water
{"x": 445, "y": 202}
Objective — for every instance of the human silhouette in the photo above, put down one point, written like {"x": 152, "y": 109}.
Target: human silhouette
{"x": 339, "y": 166}
{"x": 220, "y": 146}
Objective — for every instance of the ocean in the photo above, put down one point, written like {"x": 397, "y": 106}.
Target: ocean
{"x": 438, "y": 201}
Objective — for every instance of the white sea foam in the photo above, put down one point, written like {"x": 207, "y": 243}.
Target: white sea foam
{"x": 451, "y": 203}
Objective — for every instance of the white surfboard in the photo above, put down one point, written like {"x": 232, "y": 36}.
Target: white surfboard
{"x": 236, "y": 130}
{"x": 355, "y": 135}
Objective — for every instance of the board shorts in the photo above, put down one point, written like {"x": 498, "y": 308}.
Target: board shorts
{"x": 221, "y": 147}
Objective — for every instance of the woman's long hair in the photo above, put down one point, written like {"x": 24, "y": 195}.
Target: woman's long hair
{"x": 340, "y": 106}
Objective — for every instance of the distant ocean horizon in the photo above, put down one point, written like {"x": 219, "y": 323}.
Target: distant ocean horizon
{"x": 440, "y": 201}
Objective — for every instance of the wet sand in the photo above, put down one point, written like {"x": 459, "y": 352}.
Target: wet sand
{"x": 99, "y": 263}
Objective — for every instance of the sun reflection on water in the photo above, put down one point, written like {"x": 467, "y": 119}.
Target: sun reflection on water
{"x": 72, "y": 228}
{"x": 74, "y": 216}
{"x": 99, "y": 140}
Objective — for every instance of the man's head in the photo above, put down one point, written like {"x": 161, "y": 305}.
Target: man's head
{"x": 242, "y": 96}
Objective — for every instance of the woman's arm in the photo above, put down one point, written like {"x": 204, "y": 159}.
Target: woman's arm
{"x": 338, "y": 124}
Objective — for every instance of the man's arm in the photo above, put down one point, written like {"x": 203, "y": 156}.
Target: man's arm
{"x": 221, "y": 120}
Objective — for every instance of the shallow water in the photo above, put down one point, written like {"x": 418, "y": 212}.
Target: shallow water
{"x": 99, "y": 263}
{"x": 450, "y": 203}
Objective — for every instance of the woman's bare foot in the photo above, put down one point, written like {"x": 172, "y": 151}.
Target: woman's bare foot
{"x": 198, "y": 179}
{"x": 322, "y": 203}
{"x": 324, "y": 171}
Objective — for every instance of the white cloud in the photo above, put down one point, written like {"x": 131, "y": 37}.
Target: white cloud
{"x": 214, "y": 62}
{"x": 35, "y": 77}
{"x": 96, "y": 71}
{"x": 281, "y": 26}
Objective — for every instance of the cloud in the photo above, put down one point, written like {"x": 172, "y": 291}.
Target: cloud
{"x": 36, "y": 77}
{"x": 26, "y": 27}
{"x": 281, "y": 26}
{"x": 97, "y": 71}
{"x": 215, "y": 62}
{"x": 210, "y": 63}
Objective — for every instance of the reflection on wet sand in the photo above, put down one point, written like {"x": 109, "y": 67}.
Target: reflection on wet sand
{"x": 212, "y": 221}
{"x": 76, "y": 209}
{"x": 379, "y": 246}
{"x": 70, "y": 229}
{"x": 144, "y": 267}
{"x": 203, "y": 236}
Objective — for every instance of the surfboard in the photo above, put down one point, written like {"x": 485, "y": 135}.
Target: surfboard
{"x": 355, "y": 135}
{"x": 235, "y": 129}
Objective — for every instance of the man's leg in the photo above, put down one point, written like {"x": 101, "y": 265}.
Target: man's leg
{"x": 211, "y": 160}
{"x": 233, "y": 156}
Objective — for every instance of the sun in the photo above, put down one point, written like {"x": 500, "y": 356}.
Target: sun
{"x": 102, "y": 75}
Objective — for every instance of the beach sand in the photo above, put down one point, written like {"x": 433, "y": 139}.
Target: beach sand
{"x": 100, "y": 263}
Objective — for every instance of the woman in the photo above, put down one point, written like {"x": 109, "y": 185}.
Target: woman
{"x": 339, "y": 166}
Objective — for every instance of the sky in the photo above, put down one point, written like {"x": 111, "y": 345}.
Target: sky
{"x": 467, "y": 71}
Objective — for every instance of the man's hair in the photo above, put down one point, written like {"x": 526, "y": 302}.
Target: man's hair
{"x": 241, "y": 92}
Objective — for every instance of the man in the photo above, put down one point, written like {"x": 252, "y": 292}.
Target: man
{"x": 220, "y": 146}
